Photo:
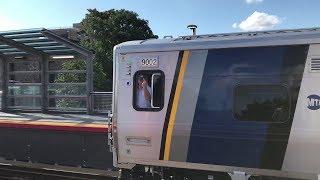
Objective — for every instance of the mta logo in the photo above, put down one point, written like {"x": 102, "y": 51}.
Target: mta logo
{"x": 314, "y": 102}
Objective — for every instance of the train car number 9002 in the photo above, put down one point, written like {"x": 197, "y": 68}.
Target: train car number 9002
{"x": 149, "y": 62}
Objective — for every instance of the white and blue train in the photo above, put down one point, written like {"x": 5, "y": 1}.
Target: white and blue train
{"x": 242, "y": 103}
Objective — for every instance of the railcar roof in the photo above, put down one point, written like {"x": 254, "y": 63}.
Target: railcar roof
{"x": 257, "y": 38}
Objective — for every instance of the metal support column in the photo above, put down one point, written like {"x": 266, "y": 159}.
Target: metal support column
{"x": 89, "y": 83}
{"x": 4, "y": 101}
{"x": 44, "y": 81}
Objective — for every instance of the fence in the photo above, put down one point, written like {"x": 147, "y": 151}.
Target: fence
{"x": 102, "y": 102}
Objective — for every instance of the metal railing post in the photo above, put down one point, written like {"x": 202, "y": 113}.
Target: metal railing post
{"x": 89, "y": 83}
{"x": 4, "y": 96}
{"x": 44, "y": 81}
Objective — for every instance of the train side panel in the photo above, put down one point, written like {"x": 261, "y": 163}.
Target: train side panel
{"x": 302, "y": 154}
{"x": 140, "y": 132}
{"x": 248, "y": 107}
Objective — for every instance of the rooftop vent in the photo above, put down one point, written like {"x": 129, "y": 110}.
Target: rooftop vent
{"x": 193, "y": 28}
{"x": 167, "y": 37}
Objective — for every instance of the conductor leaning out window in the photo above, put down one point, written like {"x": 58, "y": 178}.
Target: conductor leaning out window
{"x": 143, "y": 93}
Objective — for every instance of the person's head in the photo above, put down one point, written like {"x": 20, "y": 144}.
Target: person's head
{"x": 140, "y": 80}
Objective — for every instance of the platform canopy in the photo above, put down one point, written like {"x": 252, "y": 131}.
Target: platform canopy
{"x": 36, "y": 73}
{"x": 38, "y": 42}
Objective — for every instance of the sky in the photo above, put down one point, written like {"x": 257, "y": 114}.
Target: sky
{"x": 168, "y": 17}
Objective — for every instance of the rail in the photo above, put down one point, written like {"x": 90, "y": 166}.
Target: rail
{"x": 39, "y": 171}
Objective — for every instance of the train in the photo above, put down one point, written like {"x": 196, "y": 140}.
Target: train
{"x": 242, "y": 104}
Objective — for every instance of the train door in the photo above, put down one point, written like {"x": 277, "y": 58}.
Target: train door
{"x": 142, "y": 90}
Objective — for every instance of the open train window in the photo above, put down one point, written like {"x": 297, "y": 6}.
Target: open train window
{"x": 148, "y": 90}
{"x": 262, "y": 103}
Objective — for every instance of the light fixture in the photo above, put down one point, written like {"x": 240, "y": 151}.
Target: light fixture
{"x": 19, "y": 57}
{"x": 63, "y": 57}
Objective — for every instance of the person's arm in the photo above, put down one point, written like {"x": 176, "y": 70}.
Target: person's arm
{"x": 146, "y": 92}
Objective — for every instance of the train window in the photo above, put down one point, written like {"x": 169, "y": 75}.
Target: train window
{"x": 264, "y": 103}
{"x": 148, "y": 90}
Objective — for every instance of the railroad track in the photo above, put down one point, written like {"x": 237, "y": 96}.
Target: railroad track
{"x": 24, "y": 173}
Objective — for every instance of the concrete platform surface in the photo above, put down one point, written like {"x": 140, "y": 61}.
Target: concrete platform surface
{"x": 68, "y": 122}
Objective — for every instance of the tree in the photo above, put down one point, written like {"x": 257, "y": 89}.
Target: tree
{"x": 104, "y": 30}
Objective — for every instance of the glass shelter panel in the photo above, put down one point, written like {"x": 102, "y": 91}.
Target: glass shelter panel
{"x": 24, "y": 77}
{"x": 24, "y": 65}
{"x": 24, "y": 84}
{"x": 25, "y": 102}
{"x": 67, "y": 84}
{"x": 20, "y": 90}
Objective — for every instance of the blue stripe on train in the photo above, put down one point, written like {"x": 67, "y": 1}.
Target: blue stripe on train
{"x": 217, "y": 137}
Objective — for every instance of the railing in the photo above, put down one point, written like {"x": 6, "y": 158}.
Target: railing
{"x": 102, "y": 102}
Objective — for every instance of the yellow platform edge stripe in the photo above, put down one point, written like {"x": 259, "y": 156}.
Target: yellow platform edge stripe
{"x": 47, "y": 123}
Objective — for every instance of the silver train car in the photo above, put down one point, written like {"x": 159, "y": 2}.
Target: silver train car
{"x": 241, "y": 103}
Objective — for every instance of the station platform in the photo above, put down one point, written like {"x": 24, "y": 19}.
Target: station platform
{"x": 70, "y": 140}
{"x": 60, "y": 122}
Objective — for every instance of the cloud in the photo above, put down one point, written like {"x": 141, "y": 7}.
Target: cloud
{"x": 258, "y": 21}
{"x": 253, "y": 1}
{"x": 9, "y": 24}
{"x": 235, "y": 25}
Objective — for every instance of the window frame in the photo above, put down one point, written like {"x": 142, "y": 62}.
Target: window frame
{"x": 285, "y": 86}
{"x": 134, "y": 96}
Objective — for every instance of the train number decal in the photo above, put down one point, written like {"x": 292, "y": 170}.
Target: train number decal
{"x": 149, "y": 62}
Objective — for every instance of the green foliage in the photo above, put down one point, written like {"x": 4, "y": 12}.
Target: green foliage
{"x": 70, "y": 77}
{"x": 68, "y": 103}
{"x": 65, "y": 78}
{"x": 67, "y": 89}
{"x": 76, "y": 64}
{"x": 104, "y": 30}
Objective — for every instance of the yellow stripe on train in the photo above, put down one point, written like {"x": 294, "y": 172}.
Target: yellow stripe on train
{"x": 175, "y": 104}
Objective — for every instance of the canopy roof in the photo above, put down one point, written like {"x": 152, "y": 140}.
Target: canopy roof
{"x": 38, "y": 42}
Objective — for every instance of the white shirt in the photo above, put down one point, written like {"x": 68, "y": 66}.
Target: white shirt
{"x": 142, "y": 102}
